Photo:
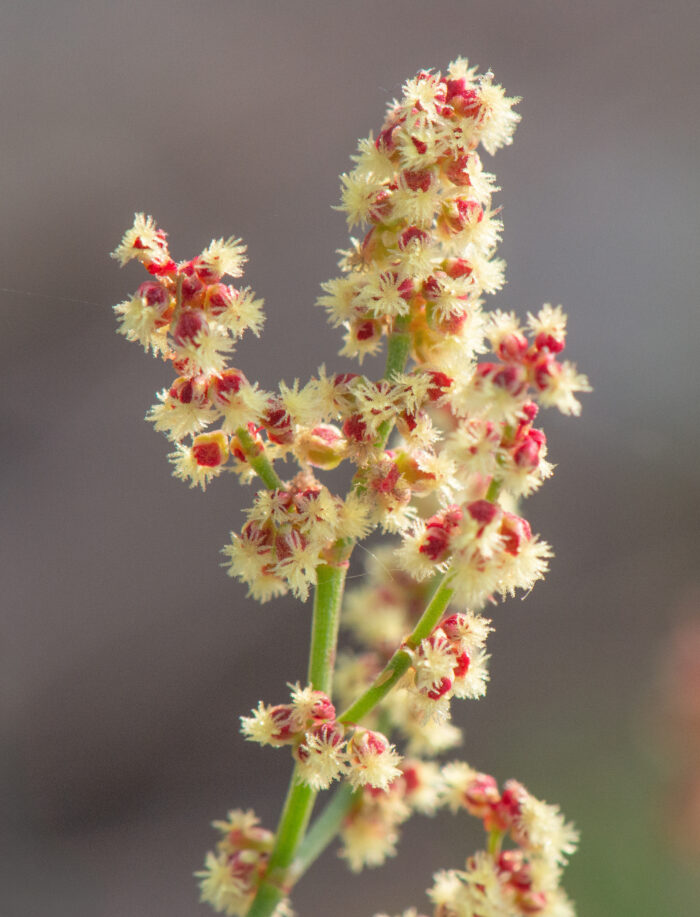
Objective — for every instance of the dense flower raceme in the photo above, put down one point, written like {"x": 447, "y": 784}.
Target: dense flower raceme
{"x": 441, "y": 449}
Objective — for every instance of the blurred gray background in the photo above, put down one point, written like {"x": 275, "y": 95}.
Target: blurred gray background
{"x": 128, "y": 655}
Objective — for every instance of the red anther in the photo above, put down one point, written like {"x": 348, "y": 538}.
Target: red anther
{"x": 453, "y": 322}
{"x": 182, "y": 365}
{"x": 160, "y": 268}
{"x": 192, "y": 290}
{"x": 411, "y": 233}
{"x": 544, "y": 367}
{"x": 182, "y": 390}
{"x": 439, "y": 689}
{"x": 355, "y": 429}
{"x": 420, "y": 145}
{"x": 417, "y": 179}
{"x": 510, "y": 377}
{"x": 510, "y": 805}
{"x": 154, "y": 294}
{"x": 483, "y": 511}
{"x": 187, "y": 390}
{"x": 283, "y": 716}
{"x": 381, "y": 206}
{"x": 262, "y": 536}
{"x": 386, "y": 483}
{"x": 242, "y": 868}
{"x": 548, "y": 340}
{"x": 210, "y": 449}
{"x": 441, "y": 382}
{"x": 219, "y": 298}
{"x": 435, "y": 543}
{"x": 288, "y": 543}
{"x": 342, "y": 380}
{"x": 460, "y": 213}
{"x": 456, "y": 171}
{"x": 327, "y": 434}
{"x": 431, "y": 288}
{"x": 278, "y": 423}
{"x": 514, "y": 531}
{"x": 372, "y": 741}
{"x": 411, "y": 778}
{"x": 366, "y": 330}
{"x": 462, "y": 663}
{"x": 406, "y": 288}
{"x": 457, "y": 267}
{"x": 323, "y": 709}
{"x": 530, "y": 410}
{"x": 512, "y": 347}
{"x": 463, "y": 99}
{"x": 453, "y": 625}
{"x": 452, "y": 516}
{"x": 330, "y": 733}
{"x": 228, "y": 383}
{"x": 368, "y": 246}
{"x": 406, "y": 423}
{"x": 527, "y": 455}
{"x": 191, "y": 323}
{"x": 481, "y": 796}
{"x": 385, "y": 140}
{"x": 510, "y": 861}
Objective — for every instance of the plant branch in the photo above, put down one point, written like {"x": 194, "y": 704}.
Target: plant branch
{"x": 300, "y": 797}
{"x": 396, "y": 357}
{"x": 259, "y": 462}
{"x": 400, "y": 662}
{"x": 324, "y": 829}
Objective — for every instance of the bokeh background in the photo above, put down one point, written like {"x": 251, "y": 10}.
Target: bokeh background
{"x": 128, "y": 655}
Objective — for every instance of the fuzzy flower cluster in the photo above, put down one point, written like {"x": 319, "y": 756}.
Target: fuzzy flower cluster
{"x": 288, "y": 533}
{"x": 189, "y": 316}
{"x": 419, "y": 272}
{"x": 232, "y": 872}
{"x": 439, "y": 451}
{"x": 324, "y": 749}
{"x": 487, "y": 550}
{"x": 370, "y": 831}
{"x": 515, "y": 881}
{"x": 450, "y": 662}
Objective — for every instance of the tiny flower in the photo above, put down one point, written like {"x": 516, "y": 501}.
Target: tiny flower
{"x": 373, "y": 761}
{"x": 321, "y": 755}
{"x": 222, "y": 256}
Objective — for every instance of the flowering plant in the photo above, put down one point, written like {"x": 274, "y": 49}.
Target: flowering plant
{"x": 442, "y": 448}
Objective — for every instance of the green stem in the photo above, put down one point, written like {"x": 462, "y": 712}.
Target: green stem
{"x": 328, "y": 598}
{"x": 259, "y": 462}
{"x": 300, "y": 797}
{"x": 494, "y": 845}
{"x": 396, "y": 356}
{"x": 494, "y": 490}
{"x": 324, "y": 829}
{"x": 401, "y": 660}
